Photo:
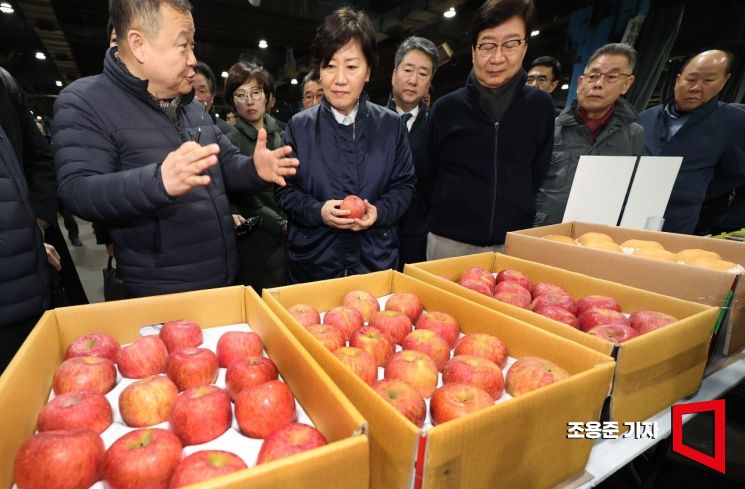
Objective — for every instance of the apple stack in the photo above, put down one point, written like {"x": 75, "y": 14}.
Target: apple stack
{"x": 597, "y": 315}
{"x": 412, "y": 357}
{"x": 128, "y": 415}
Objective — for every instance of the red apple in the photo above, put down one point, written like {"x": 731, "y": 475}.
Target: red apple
{"x": 515, "y": 288}
{"x": 85, "y": 373}
{"x": 363, "y": 301}
{"x": 484, "y": 346}
{"x": 476, "y": 285}
{"x": 293, "y": 438}
{"x": 416, "y": 369}
{"x": 373, "y": 341}
{"x": 472, "y": 370}
{"x": 145, "y": 357}
{"x": 305, "y": 314}
{"x": 358, "y": 361}
{"x": 558, "y": 300}
{"x": 201, "y": 414}
{"x": 78, "y": 410}
{"x": 237, "y": 345}
{"x": 94, "y": 345}
{"x": 514, "y": 276}
{"x": 354, "y": 205}
{"x": 646, "y": 321}
{"x": 395, "y": 325}
{"x": 543, "y": 288}
{"x": 455, "y": 400}
{"x": 441, "y": 323}
{"x": 404, "y": 398}
{"x": 558, "y": 314}
{"x": 142, "y": 458}
{"x": 205, "y": 465}
{"x": 147, "y": 402}
{"x": 59, "y": 459}
{"x": 264, "y": 408}
{"x": 514, "y": 298}
{"x": 615, "y": 333}
{"x": 192, "y": 367}
{"x": 180, "y": 334}
{"x": 597, "y": 302}
{"x": 345, "y": 319}
{"x": 530, "y": 373}
{"x": 329, "y": 336}
{"x": 248, "y": 372}
{"x": 429, "y": 343}
{"x": 481, "y": 274}
{"x": 407, "y": 303}
{"x": 595, "y": 317}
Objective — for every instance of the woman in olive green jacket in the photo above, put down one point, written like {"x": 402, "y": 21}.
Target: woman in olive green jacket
{"x": 263, "y": 252}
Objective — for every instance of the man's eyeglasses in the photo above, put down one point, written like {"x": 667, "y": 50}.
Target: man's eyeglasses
{"x": 313, "y": 96}
{"x": 611, "y": 78}
{"x": 539, "y": 79}
{"x": 487, "y": 49}
{"x": 242, "y": 97}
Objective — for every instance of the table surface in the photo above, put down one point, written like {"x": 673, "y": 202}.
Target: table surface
{"x": 609, "y": 455}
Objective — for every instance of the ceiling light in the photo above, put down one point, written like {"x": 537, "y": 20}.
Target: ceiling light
{"x": 293, "y": 81}
{"x": 535, "y": 33}
{"x": 224, "y": 74}
{"x": 565, "y": 86}
{"x": 449, "y": 13}
{"x": 40, "y": 56}
{"x": 58, "y": 83}
{"x": 6, "y": 8}
{"x": 263, "y": 44}
{"x": 38, "y": 117}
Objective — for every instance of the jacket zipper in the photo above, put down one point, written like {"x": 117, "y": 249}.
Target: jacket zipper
{"x": 494, "y": 201}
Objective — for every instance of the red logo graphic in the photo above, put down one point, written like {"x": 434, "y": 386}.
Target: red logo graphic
{"x": 717, "y": 461}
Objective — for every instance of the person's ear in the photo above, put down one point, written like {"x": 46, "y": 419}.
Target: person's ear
{"x": 136, "y": 42}
{"x": 627, "y": 84}
{"x": 553, "y": 86}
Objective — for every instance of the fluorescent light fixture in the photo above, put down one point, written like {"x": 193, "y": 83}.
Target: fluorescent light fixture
{"x": 535, "y": 33}
{"x": 449, "y": 13}
{"x": 40, "y": 56}
{"x": 38, "y": 117}
{"x": 565, "y": 86}
{"x": 6, "y": 8}
{"x": 263, "y": 44}
{"x": 58, "y": 83}
{"x": 224, "y": 74}
{"x": 293, "y": 81}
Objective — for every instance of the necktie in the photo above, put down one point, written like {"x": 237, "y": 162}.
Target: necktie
{"x": 405, "y": 117}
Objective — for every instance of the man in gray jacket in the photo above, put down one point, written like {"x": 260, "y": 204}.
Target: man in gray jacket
{"x": 598, "y": 122}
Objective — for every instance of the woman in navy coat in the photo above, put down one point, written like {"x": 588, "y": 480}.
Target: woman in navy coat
{"x": 347, "y": 146}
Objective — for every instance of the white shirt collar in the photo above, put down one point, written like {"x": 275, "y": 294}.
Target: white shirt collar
{"x": 414, "y": 113}
{"x": 348, "y": 119}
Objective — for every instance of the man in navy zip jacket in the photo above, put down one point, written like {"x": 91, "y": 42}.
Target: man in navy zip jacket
{"x": 708, "y": 134}
{"x": 136, "y": 152}
{"x": 488, "y": 144}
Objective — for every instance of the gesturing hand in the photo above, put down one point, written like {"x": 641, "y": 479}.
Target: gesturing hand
{"x": 334, "y": 217}
{"x": 182, "y": 169}
{"x": 273, "y": 166}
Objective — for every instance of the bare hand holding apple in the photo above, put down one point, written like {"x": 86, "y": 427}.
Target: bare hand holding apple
{"x": 335, "y": 217}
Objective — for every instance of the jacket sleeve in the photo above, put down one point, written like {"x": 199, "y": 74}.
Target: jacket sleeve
{"x": 394, "y": 202}
{"x": 86, "y": 161}
{"x": 239, "y": 170}
{"x": 300, "y": 207}
{"x": 543, "y": 155}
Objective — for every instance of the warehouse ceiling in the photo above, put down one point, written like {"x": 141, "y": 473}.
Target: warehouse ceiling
{"x": 72, "y": 35}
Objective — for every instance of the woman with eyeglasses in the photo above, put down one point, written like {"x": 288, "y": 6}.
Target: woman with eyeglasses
{"x": 347, "y": 146}
{"x": 262, "y": 250}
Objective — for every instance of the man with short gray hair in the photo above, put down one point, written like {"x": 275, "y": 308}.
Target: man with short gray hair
{"x": 598, "y": 122}
{"x": 414, "y": 67}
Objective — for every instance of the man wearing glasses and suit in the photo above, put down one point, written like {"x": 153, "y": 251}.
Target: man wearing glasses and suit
{"x": 488, "y": 143}
{"x": 598, "y": 122}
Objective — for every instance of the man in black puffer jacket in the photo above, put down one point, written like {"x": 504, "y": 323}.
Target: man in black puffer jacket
{"x": 137, "y": 153}
{"x": 27, "y": 193}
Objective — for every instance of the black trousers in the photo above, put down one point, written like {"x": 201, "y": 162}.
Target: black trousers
{"x": 11, "y": 339}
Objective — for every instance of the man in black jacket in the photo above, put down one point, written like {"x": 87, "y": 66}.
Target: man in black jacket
{"x": 489, "y": 143}
{"x": 137, "y": 152}
{"x": 415, "y": 64}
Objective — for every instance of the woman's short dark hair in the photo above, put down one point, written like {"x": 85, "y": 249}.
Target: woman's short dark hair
{"x": 242, "y": 72}
{"x": 338, "y": 29}
{"x": 496, "y": 12}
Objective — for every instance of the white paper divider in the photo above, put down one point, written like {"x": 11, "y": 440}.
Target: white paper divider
{"x": 651, "y": 189}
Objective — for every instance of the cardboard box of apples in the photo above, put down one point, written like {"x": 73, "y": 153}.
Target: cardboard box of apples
{"x": 660, "y": 351}
{"x": 226, "y": 399}
{"x": 693, "y": 268}
{"x": 455, "y": 394}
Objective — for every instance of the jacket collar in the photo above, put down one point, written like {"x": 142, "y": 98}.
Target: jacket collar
{"x": 248, "y": 129}
{"x": 361, "y": 111}
{"x": 697, "y": 114}
{"x": 392, "y": 105}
